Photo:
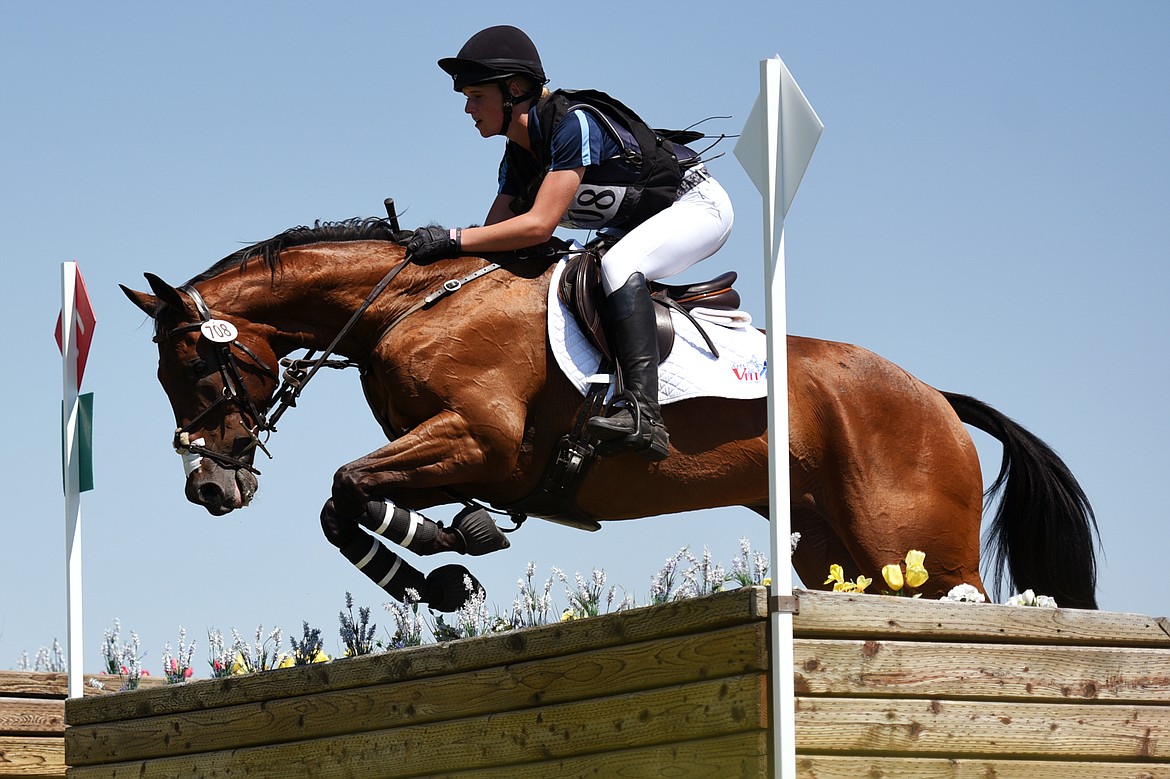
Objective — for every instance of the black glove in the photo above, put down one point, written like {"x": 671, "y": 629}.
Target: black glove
{"x": 433, "y": 243}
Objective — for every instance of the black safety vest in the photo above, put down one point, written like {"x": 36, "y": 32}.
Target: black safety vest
{"x": 655, "y": 182}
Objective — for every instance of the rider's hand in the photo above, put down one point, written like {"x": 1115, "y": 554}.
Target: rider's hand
{"x": 433, "y": 243}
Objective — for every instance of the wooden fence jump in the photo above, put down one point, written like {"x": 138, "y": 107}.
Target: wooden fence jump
{"x": 885, "y": 687}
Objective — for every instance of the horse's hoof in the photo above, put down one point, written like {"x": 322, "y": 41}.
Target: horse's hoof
{"x": 450, "y": 587}
{"x": 479, "y": 532}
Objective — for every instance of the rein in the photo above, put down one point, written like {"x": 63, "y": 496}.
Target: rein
{"x": 296, "y": 376}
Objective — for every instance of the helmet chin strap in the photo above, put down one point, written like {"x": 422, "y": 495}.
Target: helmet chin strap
{"x": 510, "y": 101}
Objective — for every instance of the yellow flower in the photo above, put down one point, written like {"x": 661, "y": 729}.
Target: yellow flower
{"x": 320, "y": 656}
{"x": 916, "y": 574}
{"x": 863, "y": 582}
{"x": 836, "y": 574}
{"x": 285, "y": 661}
{"x": 892, "y": 573}
{"x": 567, "y": 615}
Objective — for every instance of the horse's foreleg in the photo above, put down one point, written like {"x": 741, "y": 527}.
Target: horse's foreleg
{"x": 444, "y": 450}
{"x": 441, "y": 451}
{"x": 472, "y": 531}
{"x": 444, "y": 589}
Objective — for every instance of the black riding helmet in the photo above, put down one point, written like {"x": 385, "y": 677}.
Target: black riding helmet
{"x": 496, "y": 54}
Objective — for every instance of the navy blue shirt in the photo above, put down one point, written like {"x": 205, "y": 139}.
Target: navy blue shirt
{"x": 585, "y": 138}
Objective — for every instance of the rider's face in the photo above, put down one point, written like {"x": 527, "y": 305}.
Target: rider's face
{"x": 485, "y": 104}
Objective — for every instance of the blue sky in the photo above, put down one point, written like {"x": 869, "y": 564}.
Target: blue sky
{"x": 986, "y": 207}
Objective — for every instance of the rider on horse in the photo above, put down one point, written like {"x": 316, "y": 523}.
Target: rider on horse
{"x": 581, "y": 159}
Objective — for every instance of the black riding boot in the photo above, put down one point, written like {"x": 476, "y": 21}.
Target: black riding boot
{"x": 637, "y": 424}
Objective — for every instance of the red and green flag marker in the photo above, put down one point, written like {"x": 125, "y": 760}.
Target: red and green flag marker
{"x": 83, "y": 321}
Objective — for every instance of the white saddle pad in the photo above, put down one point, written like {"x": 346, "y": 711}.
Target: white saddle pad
{"x": 690, "y": 371}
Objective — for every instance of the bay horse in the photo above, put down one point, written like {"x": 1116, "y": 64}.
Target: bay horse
{"x": 458, "y": 371}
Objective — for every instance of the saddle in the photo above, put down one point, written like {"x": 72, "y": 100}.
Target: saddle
{"x": 580, "y": 290}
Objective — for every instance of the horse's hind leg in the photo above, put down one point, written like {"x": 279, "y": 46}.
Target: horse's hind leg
{"x": 818, "y": 548}
{"x": 940, "y": 517}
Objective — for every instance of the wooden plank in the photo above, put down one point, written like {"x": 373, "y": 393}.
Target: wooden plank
{"x": 689, "y": 616}
{"x": 953, "y": 670}
{"x": 685, "y": 713}
{"x": 967, "y": 728}
{"x": 622, "y": 669}
{"x": 34, "y": 684}
{"x": 26, "y": 756}
{"x": 881, "y": 616}
{"x": 837, "y": 767}
{"x": 103, "y": 685}
{"x": 43, "y": 684}
{"x": 32, "y": 717}
{"x": 740, "y": 755}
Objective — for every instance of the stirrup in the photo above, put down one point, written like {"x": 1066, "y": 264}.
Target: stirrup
{"x": 648, "y": 438}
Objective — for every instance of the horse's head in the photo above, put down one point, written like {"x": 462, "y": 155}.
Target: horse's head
{"x": 215, "y": 368}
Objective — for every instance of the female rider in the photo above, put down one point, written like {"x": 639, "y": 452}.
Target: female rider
{"x": 583, "y": 160}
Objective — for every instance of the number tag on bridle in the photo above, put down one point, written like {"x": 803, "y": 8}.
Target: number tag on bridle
{"x": 219, "y": 331}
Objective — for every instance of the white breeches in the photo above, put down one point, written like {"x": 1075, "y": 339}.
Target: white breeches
{"x": 692, "y": 229}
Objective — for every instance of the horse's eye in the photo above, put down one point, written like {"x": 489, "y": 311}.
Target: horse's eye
{"x": 196, "y": 369}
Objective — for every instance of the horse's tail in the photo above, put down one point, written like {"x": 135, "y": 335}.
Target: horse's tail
{"x": 1044, "y": 530}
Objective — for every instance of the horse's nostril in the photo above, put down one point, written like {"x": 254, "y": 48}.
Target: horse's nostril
{"x": 209, "y": 494}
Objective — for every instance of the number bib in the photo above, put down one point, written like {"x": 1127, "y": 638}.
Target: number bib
{"x": 219, "y": 331}
{"x": 594, "y": 206}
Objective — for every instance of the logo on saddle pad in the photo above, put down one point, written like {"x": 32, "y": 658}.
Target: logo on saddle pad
{"x": 752, "y": 371}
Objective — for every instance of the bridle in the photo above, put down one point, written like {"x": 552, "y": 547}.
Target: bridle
{"x": 235, "y": 391}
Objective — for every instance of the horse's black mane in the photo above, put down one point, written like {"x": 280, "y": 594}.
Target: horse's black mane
{"x": 268, "y": 252}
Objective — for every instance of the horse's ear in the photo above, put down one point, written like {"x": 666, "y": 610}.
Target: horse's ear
{"x": 166, "y": 293}
{"x": 148, "y": 303}
{"x": 165, "y": 296}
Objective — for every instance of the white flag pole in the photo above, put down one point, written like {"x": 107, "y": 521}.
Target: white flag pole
{"x": 774, "y": 148}
{"x": 71, "y": 471}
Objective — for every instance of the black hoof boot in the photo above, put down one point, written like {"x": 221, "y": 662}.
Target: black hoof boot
{"x": 479, "y": 532}
{"x": 447, "y": 588}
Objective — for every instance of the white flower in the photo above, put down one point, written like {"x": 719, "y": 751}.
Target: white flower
{"x": 1030, "y": 598}
{"x": 1025, "y": 598}
{"x": 964, "y": 593}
